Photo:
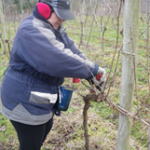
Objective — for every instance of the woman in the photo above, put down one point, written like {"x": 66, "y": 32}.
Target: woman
{"x": 41, "y": 56}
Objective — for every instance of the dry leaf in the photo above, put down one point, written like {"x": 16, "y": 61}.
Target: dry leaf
{"x": 3, "y": 128}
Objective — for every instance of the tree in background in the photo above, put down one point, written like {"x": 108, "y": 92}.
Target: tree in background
{"x": 29, "y": 5}
{"x": 17, "y": 3}
{"x": 23, "y": 5}
{"x": 2, "y": 20}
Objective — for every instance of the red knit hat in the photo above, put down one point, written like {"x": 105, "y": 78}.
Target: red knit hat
{"x": 44, "y": 10}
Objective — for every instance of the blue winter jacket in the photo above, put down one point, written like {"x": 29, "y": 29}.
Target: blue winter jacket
{"x": 40, "y": 59}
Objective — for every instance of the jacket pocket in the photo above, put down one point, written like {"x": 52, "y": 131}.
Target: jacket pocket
{"x": 42, "y": 98}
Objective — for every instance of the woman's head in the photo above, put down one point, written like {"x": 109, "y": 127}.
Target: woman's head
{"x": 61, "y": 8}
{"x": 55, "y": 11}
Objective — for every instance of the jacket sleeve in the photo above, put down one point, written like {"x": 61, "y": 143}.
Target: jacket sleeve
{"x": 39, "y": 48}
{"x": 74, "y": 48}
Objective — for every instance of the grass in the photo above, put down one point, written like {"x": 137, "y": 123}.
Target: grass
{"x": 67, "y": 132}
{"x": 8, "y": 138}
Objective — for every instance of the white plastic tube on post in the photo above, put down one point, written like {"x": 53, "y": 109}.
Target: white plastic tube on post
{"x": 130, "y": 44}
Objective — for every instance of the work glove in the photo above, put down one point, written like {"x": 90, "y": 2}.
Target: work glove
{"x": 100, "y": 79}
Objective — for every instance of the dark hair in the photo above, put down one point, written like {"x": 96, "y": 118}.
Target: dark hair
{"x": 52, "y": 10}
